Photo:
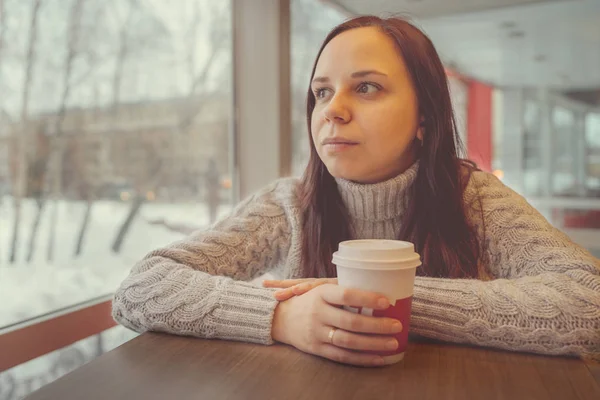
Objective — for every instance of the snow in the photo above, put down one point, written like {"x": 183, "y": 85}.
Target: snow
{"x": 31, "y": 289}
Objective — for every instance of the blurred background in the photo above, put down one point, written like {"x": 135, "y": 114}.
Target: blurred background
{"x": 127, "y": 124}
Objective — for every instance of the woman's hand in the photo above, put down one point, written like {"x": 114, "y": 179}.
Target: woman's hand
{"x": 315, "y": 323}
{"x": 295, "y": 287}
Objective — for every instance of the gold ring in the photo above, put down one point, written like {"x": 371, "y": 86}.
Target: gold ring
{"x": 331, "y": 333}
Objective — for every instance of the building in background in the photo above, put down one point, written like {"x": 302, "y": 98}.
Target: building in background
{"x": 145, "y": 147}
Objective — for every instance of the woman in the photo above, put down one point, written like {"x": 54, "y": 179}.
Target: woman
{"x": 383, "y": 164}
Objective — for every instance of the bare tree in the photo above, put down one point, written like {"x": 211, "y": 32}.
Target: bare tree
{"x": 130, "y": 44}
{"x": 122, "y": 54}
{"x": 21, "y": 181}
{"x": 2, "y": 35}
{"x": 89, "y": 192}
{"x": 58, "y": 145}
{"x": 35, "y": 188}
{"x": 78, "y": 49}
{"x": 196, "y": 96}
{"x": 2, "y": 28}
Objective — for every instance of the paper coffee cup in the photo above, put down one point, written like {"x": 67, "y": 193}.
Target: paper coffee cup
{"x": 382, "y": 266}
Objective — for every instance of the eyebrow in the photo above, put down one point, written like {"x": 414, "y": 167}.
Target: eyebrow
{"x": 358, "y": 74}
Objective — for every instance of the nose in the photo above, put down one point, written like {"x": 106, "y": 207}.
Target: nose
{"x": 337, "y": 111}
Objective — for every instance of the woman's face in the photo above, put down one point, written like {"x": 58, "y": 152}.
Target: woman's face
{"x": 366, "y": 119}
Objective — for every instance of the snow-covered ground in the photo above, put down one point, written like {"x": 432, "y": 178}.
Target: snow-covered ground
{"x": 31, "y": 289}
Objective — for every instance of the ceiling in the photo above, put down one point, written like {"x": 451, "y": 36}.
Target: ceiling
{"x": 428, "y": 8}
{"x": 548, "y": 43}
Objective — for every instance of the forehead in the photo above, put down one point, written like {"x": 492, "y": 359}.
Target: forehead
{"x": 360, "y": 49}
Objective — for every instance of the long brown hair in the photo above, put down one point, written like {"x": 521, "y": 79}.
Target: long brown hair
{"x": 435, "y": 220}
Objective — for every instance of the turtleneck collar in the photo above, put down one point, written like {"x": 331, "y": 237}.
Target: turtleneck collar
{"x": 379, "y": 201}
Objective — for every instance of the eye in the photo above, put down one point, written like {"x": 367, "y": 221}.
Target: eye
{"x": 368, "y": 88}
{"x": 320, "y": 93}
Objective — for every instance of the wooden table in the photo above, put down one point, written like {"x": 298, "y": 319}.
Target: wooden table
{"x": 158, "y": 366}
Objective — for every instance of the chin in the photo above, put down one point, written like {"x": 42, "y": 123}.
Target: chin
{"x": 343, "y": 173}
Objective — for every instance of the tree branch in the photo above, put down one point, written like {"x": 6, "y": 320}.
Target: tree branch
{"x": 2, "y": 28}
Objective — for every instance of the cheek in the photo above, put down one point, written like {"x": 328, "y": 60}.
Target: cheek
{"x": 396, "y": 119}
{"x": 390, "y": 132}
{"x": 315, "y": 124}
{"x": 316, "y": 115}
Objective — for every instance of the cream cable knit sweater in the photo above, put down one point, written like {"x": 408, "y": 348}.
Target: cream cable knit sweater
{"x": 538, "y": 291}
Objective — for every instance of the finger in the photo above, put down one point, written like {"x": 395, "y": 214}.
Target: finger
{"x": 302, "y": 288}
{"x": 285, "y": 283}
{"x": 344, "y": 356}
{"x": 352, "y": 322}
{"x": 305, "y": 287}
{"x": 354, "y": 341}
{"x": 334, "y": 294}
{"x": 296, "y": 290}
{"x": 284, "y": 294}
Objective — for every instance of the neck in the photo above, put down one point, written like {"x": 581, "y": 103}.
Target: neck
{"x": 377, "y": 209}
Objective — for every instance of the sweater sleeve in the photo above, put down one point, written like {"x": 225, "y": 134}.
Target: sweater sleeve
{"x": 197, "y": 286}
{"x": 546, "y": 298}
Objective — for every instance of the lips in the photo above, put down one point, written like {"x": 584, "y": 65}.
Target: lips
{"x": 338, "y": 141}
{"x": 338, "y": 145}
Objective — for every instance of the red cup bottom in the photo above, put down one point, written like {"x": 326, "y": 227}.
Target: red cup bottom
{"x": 399, "y": 311}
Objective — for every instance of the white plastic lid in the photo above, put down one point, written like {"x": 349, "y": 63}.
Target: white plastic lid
{"x": 376, "y": 254}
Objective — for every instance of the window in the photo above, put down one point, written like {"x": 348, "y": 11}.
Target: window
{"x": 592, "y": 150}
{"x": 532, "y": 157}
{"x": 67, "y": 235}
{"x": 563, "y": 144}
